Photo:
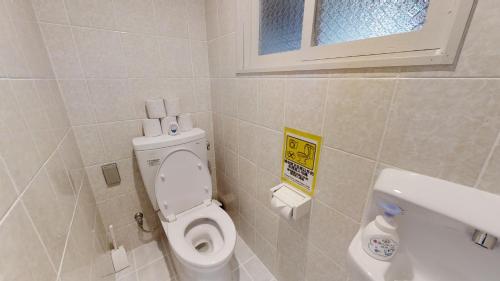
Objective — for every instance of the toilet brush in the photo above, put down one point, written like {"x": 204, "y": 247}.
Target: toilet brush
{"x": 118, "y": 254}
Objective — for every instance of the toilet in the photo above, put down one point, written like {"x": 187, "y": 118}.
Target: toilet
{"x": 201, "y": 234}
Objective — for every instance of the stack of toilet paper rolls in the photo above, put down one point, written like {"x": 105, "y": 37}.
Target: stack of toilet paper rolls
{"x": 164, "y": 117}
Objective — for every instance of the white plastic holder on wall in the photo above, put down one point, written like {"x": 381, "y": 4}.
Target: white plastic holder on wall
{"x": 290, "y": 202}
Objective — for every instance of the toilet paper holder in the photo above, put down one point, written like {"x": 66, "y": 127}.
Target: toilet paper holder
{"x": 289, "y": 201}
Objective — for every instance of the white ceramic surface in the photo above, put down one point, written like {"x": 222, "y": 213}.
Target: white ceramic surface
{"x": 435, "y": 230}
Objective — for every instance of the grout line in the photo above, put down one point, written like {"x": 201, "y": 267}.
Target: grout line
{"x": 487, "y": 162}
{"x": 68, "y": 235}
{"x": 76, "y": 26}
{"x": 49, "y": 258}
{"x": 28, "y": 185}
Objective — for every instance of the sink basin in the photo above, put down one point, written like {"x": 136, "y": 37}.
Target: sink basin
{"x": 435, "y": 231}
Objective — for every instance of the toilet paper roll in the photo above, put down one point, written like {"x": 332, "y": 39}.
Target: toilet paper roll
{"x": 155, "y": 109}
{"x": 283, "y": 209}
{"x": 286, "y": 212}
{"x": 165, "y": 122}
{"x": 151, "y": 127}
{"x": 185, "y": 122}
{"x": 173, "y": 106}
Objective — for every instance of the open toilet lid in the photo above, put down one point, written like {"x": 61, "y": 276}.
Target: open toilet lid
{"x": 183, "y": 182}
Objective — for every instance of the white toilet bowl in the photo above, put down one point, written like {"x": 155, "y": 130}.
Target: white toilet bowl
{"x": 177, "y": 178}
{"x": 203, "y": 241}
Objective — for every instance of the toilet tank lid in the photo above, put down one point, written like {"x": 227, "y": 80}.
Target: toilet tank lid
{"x": 148, "y": 143}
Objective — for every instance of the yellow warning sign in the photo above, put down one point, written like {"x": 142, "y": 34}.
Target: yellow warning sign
{"x": 300, "y": 159}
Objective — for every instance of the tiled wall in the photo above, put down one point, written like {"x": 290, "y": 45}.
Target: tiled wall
{"x": 49, "y": 224}
{"x": 439, "y": 121}
{"x": 108, "y": 58}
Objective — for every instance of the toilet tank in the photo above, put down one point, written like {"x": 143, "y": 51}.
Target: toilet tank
{"x": 152, "y": 151}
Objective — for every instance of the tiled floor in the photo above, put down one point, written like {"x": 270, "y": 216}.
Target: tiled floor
{"x": 151, "y": 262}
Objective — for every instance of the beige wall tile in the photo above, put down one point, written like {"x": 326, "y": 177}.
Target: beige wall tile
{"x": 90, "y": 144}
{"x": 7, "y": 189}
{"x": 247, "y": 207}
{"x": 199, "y": 54}
{"x": 62, "y": 51}
{"x": 20, "y": 154}
{"x": 231, "y": 165}
{"x": 12, "y": 60}
{"x": 247, "y": 176}
{"x": 247, "y": 141}
{"x": 182, "y": 89}
{"x": 271, "y": 103}
{"x": 212, "y": 19}
{"x": 111, "y": 99}
{"x": 142, "y": 55}
{"x": 175, "y": 57}
{"x": 202, "y": 94}
{"x": 72, "y": 158}
{"x": 321, "y": 268}
{"x": 59, "y": 178}
{"x": 305, "y": 104}
{"x": 266, "y": 252}
{"x": 43, "y": 201}
{"x": 230, "y": 127}
{"x": 197, "y": 20}
{"x": 344, "y": 181}
{"x": 227, "y": 16}
{"x": 266, "y": 182}
{"x": 100, "y": 53}
{"x": 135, "y": 15}
{"x": 490, "y": 179}
{"x": 29, "y": 40}
{"x": 269, "y": 150}
{"x": 356, "y": 114}
{"x": 171, "y": 18}
{"x": 91, "y": 13}
{"x": 443, "y": 128}
{"x": 226, "y": 56}
{"x": 267, "y": 223}
{"x": 53, "y": 11}
{"x": 247, "y": 91}
{"x": 143, "y": 89}
{"x": 246, "y": 231}
{"x": 117, "y": 138}
{"x": 291, "y": 249}
{"x": 27, "y": 259}
{"x": 20, "y": 10}
{"x": 77, "y": 100}
{"x": 327, "y": 223}
{"x": 229, "y": 97}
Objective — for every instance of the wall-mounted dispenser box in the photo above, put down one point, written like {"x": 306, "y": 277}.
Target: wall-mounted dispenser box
{"x": 290, "y": 202}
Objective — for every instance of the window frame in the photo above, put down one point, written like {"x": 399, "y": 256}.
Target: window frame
{"x": 436, "y": 43}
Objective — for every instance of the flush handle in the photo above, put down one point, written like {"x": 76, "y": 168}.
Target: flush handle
{"x": 162, "y": 177}
{"x": 484, "y": 239}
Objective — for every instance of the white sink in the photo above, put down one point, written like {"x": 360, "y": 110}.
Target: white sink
{"x": 435, "y": 231}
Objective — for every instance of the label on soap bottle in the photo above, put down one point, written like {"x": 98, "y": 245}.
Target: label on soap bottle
{"x": 383, "y": 247}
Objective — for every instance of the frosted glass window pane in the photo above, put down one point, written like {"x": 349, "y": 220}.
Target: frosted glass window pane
{"x": 340, "y": 21}
{"x": 280, "y": 25}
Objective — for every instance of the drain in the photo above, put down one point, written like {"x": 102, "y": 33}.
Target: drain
{"x": 202, "y": 247}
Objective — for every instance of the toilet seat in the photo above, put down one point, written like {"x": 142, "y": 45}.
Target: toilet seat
{"x": 205, "y": 218}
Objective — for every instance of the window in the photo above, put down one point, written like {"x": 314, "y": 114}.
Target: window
{"x": 277, "y": 35}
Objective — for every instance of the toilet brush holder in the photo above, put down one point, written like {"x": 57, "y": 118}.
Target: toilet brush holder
{"x": 118, "y": 253}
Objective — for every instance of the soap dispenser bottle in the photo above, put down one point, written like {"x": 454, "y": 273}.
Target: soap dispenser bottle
{"x": 380, "y": 238}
